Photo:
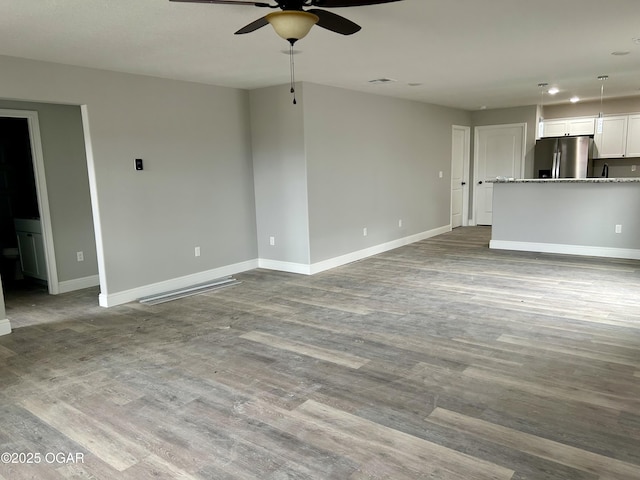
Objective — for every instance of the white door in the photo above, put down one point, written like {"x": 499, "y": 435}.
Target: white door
{"x": 460, "y": 175}
{"x": 499, "y": 152}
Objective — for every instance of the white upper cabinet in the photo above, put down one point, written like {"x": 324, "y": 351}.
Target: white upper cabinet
{"x": 554, "y": 128}
{"x": 620, "y": 137}
{"x": 612, "y": 142}
{"x": 569, "y": 126}
{"x": 633, "y": 136}
{"x": 582, "y": 126}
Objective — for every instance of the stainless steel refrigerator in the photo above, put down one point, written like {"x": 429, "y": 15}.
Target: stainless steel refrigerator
{"x": 563, "y": 157}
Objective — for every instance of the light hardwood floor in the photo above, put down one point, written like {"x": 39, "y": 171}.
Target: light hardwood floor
{"x": 440, "y": 360}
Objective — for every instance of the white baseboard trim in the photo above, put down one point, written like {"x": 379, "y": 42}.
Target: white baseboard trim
{"x": 78, "y": 284}
{"x": 289, "y": 267}
{"x": 119, "y": 298}
{"x": 350, "y": 257}
{"x": 5, "y": 327}
{"x": 610, "y": 252}
{"x": 375, "y": 250}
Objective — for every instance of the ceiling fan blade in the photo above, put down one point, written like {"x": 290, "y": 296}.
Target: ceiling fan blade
{"x": 253, "y": 26}
{"x": 348, "y": 3}
{"x": 226, "y": 2}
{"x": 335, "y": 23}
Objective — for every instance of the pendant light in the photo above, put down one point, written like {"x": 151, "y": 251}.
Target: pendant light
{"x": 541, "y": 86}
{"x": 600, "y": 121}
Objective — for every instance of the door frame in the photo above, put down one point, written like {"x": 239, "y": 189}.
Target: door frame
{"x": 37, "y": 159}
{"x": 476, "y": 149}
{"x": 465, "y": 174}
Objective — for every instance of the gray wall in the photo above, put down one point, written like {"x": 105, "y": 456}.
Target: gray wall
{"x": 197, "y": 186}
{"x": 280, "y": 174}
{"x": 340, "y": 161}
{"x": 529, "y": 213}
{"x": 371, "y": 161}
{"x": 618, "y": 167}
{"x": 585, "y": 109}
{"x": 65, "y": 165}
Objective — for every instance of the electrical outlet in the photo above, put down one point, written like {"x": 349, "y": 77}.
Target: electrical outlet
{"x": 440, "y": 174}
{"x": 400, "y": 223}
{"x": 80, "y": 256}
{"x": 618, "y": 228}
{"x": 196, "y": 251}
{"x": 633, "y": 168}
{"x": 272, "y": 241}
{"x": 364, "y": 232}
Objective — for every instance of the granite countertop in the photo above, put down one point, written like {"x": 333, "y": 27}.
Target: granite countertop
{"x": 563, "y": 180}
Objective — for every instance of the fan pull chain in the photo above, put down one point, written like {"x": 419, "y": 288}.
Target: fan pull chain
{"x": 293, "y": 73}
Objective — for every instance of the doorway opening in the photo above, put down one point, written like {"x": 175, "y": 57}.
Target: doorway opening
{"x": 23, "y": 260}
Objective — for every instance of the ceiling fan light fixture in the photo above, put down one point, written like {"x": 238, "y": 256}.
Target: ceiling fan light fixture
{"x": 292, "y": 25}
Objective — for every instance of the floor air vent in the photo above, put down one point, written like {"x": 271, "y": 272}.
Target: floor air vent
{"x": 189, "y": 291}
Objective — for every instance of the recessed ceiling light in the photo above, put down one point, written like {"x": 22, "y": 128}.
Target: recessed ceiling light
{"x": 414, "y": 84}
{"x": 553, "y": 90}
{"x": 382, "y": 80}
{"x": 574, "y": 99}
{"x": 620, "y": 53}
{"x": 483, "y": 107}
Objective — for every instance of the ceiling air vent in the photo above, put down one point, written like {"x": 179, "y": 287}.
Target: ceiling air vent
{"x": 382, "y": 80}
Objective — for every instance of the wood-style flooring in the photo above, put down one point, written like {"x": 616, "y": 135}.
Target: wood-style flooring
{"x": 439, "y": 360}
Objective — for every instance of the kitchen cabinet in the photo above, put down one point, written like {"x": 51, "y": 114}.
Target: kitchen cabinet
{"x": 633, "y": 136}
{"x": 569, "y": 126}
{"x": 612, "y": 141}
{"x": 620, "y": 137}
{"x": 31, "y": 247}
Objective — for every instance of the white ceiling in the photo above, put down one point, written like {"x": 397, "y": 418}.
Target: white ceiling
{"x": 464, "y": 53}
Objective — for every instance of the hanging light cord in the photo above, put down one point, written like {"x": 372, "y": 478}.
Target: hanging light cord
{"x": 293, "y": 73}
{"x": 541, "y": 117}
{"x": 602, "y": 79}
{"x": 542, "y": 86}
{"x": 600, "y": 120}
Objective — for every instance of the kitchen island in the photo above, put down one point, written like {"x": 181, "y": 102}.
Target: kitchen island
{"x": 585, "y": 216}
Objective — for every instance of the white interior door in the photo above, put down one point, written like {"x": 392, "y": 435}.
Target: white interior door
{"x": 499, "y": 152}
{"x": 460, "y": 146}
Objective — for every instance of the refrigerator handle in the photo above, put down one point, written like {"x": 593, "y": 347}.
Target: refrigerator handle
{"x": 558, "y": 161}
{"x": 553, "y": 167}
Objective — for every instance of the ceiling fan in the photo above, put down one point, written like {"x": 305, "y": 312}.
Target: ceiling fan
{"x": 293, "y": 22}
